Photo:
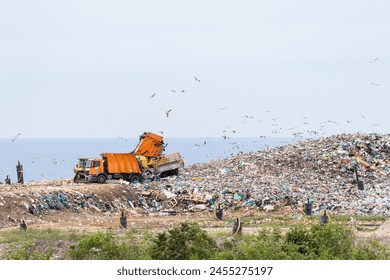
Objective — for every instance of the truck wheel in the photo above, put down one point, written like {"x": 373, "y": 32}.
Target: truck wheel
{"x": 101, "y": 179}
{"x": 135, "y": 178}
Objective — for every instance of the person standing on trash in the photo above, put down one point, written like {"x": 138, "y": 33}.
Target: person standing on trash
{"x": 7, "y": 180}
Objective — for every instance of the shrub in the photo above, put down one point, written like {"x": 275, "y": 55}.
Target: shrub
{"x": 371, "y": 250}
{"x": 27, "y": 251}
{"x": 184, "y": 242}
{"x": 267, "y": 244}
{"x": 331, "y": 242}
{"x": 103, "y": 246}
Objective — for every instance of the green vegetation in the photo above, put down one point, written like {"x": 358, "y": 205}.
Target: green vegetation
{"x": 187, "y": 241}
{"x": 23, "y": 245}
{"x": 27, "y": 251}
{"x": 48, "y": 234}
{"x": 347, "y": 218}
{"x": 103, "y": 246}
{"x": 329, "y": 242}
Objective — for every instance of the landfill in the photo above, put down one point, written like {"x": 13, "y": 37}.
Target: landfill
{"x": 343, "y": 174}
{"x": 322, "y": 171}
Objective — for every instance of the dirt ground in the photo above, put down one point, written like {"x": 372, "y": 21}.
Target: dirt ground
{"x": 15, "y": 201}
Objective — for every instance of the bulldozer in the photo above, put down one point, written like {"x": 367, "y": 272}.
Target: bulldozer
{"x": 79, "y": 170}
{"x": 164, "y": 165}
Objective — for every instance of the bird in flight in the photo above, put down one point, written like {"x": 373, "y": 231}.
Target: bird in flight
{"x": 13, "y": 140}
{"x": 167, "y": 112}
{"x": 196, "y": 79}
{"x": 183, "y": 90}
{"x": 374, "y": 60}
{"x": 172, "y": 90}
{"x": 375, "y": 84}
{"x": 152, "y": 95}
{"x": 363, "y": 116}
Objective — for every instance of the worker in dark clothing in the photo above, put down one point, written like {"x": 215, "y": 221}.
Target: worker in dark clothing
{"x": 8, "y": 180}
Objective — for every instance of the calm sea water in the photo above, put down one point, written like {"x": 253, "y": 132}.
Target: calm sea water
{"x": 55, "y": 158}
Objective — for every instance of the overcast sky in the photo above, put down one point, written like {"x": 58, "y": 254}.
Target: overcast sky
{"x": 88, "y": 68}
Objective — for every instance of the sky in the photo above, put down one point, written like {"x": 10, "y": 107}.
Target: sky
{"x": 76, "y": 69}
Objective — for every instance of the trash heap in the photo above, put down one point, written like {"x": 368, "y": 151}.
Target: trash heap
{"x": 282, "y": 178}
{"x": 322, "y": 170}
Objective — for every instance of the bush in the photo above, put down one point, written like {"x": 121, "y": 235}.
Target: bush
{"x": 371, "y": 250}
{"x": 184, "y": 242}
{"x": 325, "y": 242}
{"x": 102, "y": 246}
{"x": 328, "y": 242}
{"x": 267, "y": 244}
{"x": 27, "y": 251}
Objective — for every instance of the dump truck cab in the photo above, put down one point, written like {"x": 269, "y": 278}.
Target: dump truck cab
{"x": 95, "y": 170}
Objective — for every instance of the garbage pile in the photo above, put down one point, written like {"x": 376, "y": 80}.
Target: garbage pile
{"x": 323, "y": 171}
{"x": 38, "y": 199}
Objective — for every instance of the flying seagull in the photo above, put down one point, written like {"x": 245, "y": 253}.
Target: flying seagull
{"x": 167, "y": 112}
{"x": 13, "y": 140}
{"x": 152, "y": 95}
{"x": 196, "y": 79}
{"x": 374, "y": 60}
{"x": 173, "y": 90}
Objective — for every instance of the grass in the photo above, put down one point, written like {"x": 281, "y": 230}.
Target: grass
{"x": 49, "y": 234}
{"x": 347, "y": 218}
{"x": 366, "y": 229}
{"x": 26, "y": 245}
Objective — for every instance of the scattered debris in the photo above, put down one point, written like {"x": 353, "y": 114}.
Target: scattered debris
{"x": 284, "y": 178}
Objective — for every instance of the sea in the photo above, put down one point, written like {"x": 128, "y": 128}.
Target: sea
{"x": 54, "y": 159}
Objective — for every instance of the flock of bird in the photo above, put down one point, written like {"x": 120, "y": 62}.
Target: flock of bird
{"x": 228, "y": 132}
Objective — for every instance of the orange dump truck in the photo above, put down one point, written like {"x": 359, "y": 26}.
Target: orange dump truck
{"x": 147, "y": 156}
{"x": 114, "y": 166}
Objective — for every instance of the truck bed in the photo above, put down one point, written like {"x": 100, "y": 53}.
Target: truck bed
{"x": 119, "y": 163}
